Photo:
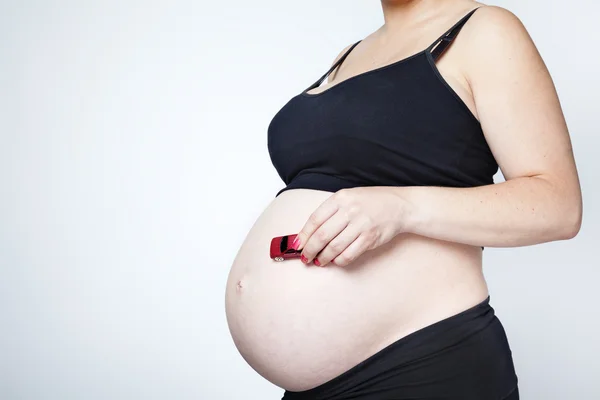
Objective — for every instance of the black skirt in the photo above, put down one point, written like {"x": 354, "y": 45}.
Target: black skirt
{"x": 463, "y": 357}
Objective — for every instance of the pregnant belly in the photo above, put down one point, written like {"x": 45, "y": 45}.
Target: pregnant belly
{"x": 301, "y": 325}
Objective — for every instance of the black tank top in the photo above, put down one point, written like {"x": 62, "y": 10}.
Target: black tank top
{"x": 396, "y": 125}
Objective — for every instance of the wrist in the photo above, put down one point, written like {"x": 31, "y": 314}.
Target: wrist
{"x": 410, "y": 217}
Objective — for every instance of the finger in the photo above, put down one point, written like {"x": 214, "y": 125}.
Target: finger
{"x": 337, "y": 245}
{"x": 352, "y": 252}
{"x": 315, "y": 220}
{"x": 323, "y": 235}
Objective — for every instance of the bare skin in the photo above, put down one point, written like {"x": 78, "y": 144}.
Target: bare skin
{"x": 388, "y": 273}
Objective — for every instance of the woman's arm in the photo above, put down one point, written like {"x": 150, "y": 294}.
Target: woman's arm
{"x": 522, "y": 119}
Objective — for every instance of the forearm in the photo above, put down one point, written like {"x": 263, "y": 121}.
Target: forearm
{"x": 519, "y": 212}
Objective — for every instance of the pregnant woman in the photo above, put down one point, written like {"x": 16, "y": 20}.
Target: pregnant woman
{"x": 389, "y": 185}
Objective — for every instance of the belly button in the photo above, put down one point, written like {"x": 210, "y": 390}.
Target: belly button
{"x": 239, "y": 286}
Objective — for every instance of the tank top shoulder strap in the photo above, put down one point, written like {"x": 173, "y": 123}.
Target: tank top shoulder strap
{"x": 334, "y": 66}
{"x": 447, "y": 37}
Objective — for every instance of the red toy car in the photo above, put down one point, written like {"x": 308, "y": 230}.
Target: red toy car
{"x": 281, "y": 248}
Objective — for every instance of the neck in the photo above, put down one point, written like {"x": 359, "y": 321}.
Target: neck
{"x": 401, "y": 14}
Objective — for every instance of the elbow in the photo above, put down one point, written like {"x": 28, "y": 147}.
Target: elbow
{"x": 571, "y": 221}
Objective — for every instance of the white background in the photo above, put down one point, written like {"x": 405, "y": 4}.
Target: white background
{"x": 133, "y": 161}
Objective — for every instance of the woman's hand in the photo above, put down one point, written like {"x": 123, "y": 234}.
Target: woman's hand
{"x": 350, "y": 222}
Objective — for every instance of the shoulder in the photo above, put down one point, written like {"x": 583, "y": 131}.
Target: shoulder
{"x": 496, "y": 45}
{"x": 341, "y": 53}
{"x": 495, "y": 15}
{"x": 336, "y": 59}
{"x": 495, "y": 30}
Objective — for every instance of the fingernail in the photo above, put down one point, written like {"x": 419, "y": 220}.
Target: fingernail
{"x": 303, "y": 259}
{"x": 317, "y": 263}
{"x": 295, "y": 243}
